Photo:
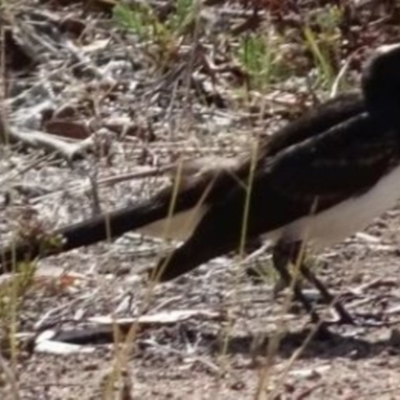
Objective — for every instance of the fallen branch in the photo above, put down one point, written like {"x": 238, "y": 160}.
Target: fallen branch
{"x": 50, "y": 143}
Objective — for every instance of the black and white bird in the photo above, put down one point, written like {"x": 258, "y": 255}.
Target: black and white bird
{"x": 320, "y": 179}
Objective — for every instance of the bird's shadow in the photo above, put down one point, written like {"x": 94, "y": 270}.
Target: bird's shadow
{"x": 323, "y": 345}
{"x": 333, "y": 345}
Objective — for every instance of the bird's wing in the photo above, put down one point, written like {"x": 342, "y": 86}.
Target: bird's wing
{"x": 341, "y": 163}
{"x": 344, "y": 161}
{"x": 319, "y": 173}
{"x": 316, "y": 121}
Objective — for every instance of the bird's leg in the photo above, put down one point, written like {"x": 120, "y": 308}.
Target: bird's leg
{"x": 291, "y": 252}
{"x": 282, "y": 255}
{"x": 328, "y": 298}
{"x": 298, "y": 259}
{"x": 344, "y": 316}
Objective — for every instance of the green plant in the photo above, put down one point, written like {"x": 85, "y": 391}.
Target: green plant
{"x": 13, "y": 291}
{"x": 323, "y": 44}
{"x": 258, "y": 57}
{"x": 184, "y": 16}
{"x": 142, "y": 20}
{"x": 139, "y": 19}
{"x": 12, "y": 294}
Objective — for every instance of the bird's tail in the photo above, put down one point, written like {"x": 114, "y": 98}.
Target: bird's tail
{"x": 173, "y": 213}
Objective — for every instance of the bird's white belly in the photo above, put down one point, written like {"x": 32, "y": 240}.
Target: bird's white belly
{"x": 178, "y": 227}
{"x": 346, "y": 218}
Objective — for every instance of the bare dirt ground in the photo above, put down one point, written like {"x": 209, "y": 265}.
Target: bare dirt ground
{"x": 136, "y": 99}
